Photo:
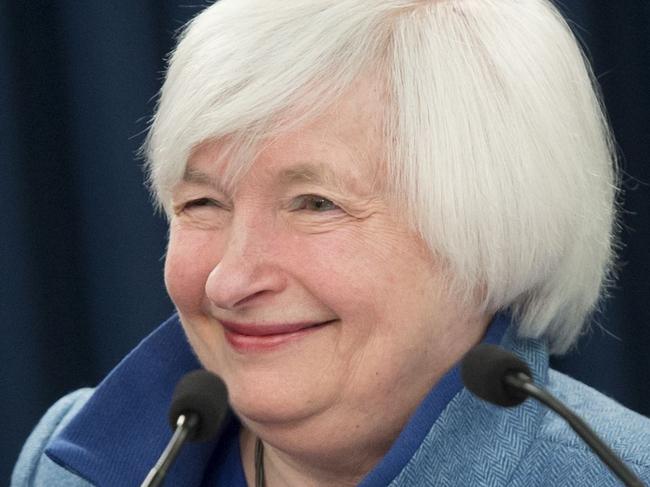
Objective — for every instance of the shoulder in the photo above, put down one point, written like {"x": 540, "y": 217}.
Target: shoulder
{"x": 558, "y": 453}
{"x": 625, "y": 431}
{"x": 32, "y": 462}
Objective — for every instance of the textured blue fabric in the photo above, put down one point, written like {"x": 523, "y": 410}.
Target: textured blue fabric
{"x": 35, "y": 468}
{"x": 119, "y": 434}
{"x": 476, "y": 444}
{"x": 470, "y": 444}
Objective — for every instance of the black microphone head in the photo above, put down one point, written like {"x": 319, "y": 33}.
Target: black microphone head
{"x": 483, "y": 371}
{"x": 204, "y": 394}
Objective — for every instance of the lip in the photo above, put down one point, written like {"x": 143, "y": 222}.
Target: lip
{"x": 251, "y": 337}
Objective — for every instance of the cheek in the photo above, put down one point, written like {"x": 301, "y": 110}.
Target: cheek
{"x": 387, "y": 287}
{"x": 354, "y": 277}
{"x": 188, "y": 262}
{"x": 335, "y": 268}
{"x": 356, "y": 270}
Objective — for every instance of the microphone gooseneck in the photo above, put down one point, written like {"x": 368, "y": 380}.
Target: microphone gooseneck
{"x": 198, "y": 412}
{"x": 499, "y": 377}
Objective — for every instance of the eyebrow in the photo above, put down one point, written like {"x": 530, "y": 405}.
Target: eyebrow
{"x": 197, "y": 177}
{"x": 319, "y": 174}
{"x": 193, "y": 176}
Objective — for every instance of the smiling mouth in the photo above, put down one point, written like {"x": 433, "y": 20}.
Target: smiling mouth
{"x": 259, "y": 338}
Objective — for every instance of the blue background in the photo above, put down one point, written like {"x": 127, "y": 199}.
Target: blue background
{"x": 81, "y": 250}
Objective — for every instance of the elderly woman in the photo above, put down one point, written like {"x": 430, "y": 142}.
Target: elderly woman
{"x": 359, "y": 192}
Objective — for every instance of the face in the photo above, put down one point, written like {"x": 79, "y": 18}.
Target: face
{"x": 301, "y": 286}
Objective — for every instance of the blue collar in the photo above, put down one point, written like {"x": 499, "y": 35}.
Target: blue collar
{"x": 120, "y": 432}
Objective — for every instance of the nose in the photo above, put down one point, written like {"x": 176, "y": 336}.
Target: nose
{"x": 249, "y": 269}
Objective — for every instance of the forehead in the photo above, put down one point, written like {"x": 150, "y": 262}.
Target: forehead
{"x": 343, "y": 145}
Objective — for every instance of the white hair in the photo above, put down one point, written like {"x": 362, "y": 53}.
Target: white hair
{"x": 497, "y": 142}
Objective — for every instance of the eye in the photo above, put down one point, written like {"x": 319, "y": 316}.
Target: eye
{"x": 315, "y": 203}
{"x": 201, "y": 203}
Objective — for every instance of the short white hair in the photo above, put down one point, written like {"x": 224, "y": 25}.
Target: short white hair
{"x": 496, "y": 139}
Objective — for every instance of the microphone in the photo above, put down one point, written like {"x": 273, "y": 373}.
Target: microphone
{"x": 499, "y": 377}
{"x": 198, "y": 412}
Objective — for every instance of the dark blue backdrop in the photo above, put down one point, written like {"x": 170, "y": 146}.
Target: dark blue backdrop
{"x": 81, "y": 251}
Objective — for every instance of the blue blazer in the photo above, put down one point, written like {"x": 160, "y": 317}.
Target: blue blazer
{"x": 471, "y": 443}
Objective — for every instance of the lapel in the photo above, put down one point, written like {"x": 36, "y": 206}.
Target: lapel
{"x": 120, "y": 432}
{"x": 476, "y": 443}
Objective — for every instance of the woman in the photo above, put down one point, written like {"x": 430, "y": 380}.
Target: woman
{"x": 358, "y": 193}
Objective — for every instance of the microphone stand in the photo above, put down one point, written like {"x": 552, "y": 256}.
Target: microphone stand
{"x": 523, "y": 382}
{"x": 184, "y": 426}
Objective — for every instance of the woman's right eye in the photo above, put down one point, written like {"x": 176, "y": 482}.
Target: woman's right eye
{"x": 202, "y": 202}
{"x": 198, "y": 207}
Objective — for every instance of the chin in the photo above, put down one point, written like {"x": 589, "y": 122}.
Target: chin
{"x": 270, "y": 405}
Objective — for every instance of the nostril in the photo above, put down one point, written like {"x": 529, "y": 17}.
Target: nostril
{"x": 248, "y": 299}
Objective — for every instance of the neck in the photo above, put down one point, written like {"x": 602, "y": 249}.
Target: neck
{"x": 282, "y": 469}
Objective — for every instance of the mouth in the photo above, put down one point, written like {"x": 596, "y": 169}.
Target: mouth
{"x": 248, "y": 337}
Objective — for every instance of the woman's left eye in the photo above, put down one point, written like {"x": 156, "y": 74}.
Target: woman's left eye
{"x": 311, "y": 202}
